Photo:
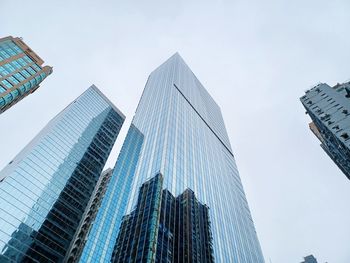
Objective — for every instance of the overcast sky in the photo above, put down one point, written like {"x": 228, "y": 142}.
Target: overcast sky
{"x": 256, "y": 58}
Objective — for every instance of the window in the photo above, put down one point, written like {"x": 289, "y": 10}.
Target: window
{"x": 16, "y": 64}
{"x": 19, "y": 76}
{"x": 13, "y": 80}
{"x": 6, "y": 83}
{"x": 21, "y": 61}
{"x": 345, "y": 136}
{"x": 25, "y": 73}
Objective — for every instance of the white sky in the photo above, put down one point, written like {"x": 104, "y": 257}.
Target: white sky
{"x": 256, "y": 58}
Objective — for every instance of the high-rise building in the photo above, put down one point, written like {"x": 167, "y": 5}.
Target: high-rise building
{"x": 309, "y": 259}
{"x": 178, "y": 130}
{"x": 21, "y": 71}
{"x": 164, "y": 229}
{"x": 89, "y": 216}
{"x": 46, "y": 188}
{"x": 329, "y": 109}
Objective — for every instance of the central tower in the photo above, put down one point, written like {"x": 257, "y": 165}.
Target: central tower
{"x": 178, "y": 130}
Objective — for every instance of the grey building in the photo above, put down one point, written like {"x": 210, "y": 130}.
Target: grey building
{"x": 329, "y": 110}
{"x": 45, "y": 189}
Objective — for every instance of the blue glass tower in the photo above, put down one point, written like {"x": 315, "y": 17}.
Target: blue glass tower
{"x": 46, "y": 188}
{"x": 178, "y": 130}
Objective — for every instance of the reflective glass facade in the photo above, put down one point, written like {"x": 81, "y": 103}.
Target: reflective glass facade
{"x": 46, "y": 188}
{"x": 184, "y": 138}
{"x": 164, "y": 229}
{"x": 137, "y": 237}
{"x": 103, "y": 234}
{"x": 89, "y": 216}
{"x": 329, "y": 109}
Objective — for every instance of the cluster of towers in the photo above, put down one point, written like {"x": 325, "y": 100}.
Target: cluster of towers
{"x": 58, "y": 205}
{"x": 174, "y": 194}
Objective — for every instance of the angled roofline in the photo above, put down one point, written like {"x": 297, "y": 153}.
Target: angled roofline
{"x": 93, "y": 86}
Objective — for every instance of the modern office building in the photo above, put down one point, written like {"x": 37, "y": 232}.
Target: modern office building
{"x": 21, "y": 71}
{"x": 329, "y": 109}
{"x": 178, "y": 130}
{"x": 90, "y": 214}
{"x": 45, "y": 189}
{"x": 164, "y": 229}
{"x": 309, "y": 259}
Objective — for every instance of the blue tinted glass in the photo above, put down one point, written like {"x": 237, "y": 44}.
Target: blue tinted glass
{"x": 45, "y": 189}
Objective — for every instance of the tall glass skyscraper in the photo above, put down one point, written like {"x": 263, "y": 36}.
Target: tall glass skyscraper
{"x": 178, "y": 131}
{"x": 21, "y": 71}
{"x": 46, "y": 188}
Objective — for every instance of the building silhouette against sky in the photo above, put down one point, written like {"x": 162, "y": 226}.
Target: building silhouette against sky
{"x": 46, "y": 188}
{"x": 178, "y": 130}
{"x": 309, "y": 259}
{"x": 329, "y": 109}
{"x": 21, "y": 71}
{"x": 165, "y": 229}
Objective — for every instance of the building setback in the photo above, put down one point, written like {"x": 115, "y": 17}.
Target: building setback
{"x": 329, "y": 109}
{"x": 178, "y": 130}
{"x": 165, "y": 229}
{"x": 21, "y": 71}
{"x": 46, "y": 188}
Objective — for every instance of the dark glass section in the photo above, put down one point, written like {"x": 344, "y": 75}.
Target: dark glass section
{"x": 165, "y": 229}
{"x": 193, "y": 240}
{"x": 89, "y": 216}
{"x": 20, "y": 241}
{"x": 136, "y": 241}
